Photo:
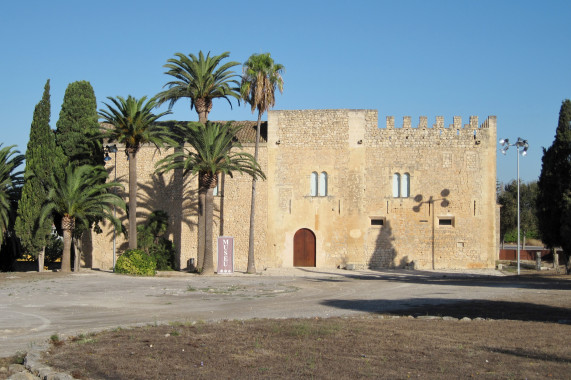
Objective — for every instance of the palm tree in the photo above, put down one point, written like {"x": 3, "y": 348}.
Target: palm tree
{"x": 201, "y": 80}
{"x": 215, "y": 151}
{"x": 81, "y": 195}
{"x": 134, "y": 124}
{"x": 10, "y": 181}
{"x": 261, "y": 76}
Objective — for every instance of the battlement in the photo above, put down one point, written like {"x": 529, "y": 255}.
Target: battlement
{"x": 456, "y": 123}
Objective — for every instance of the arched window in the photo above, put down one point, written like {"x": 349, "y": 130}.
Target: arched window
{"x": 396, "y": 185}
{"x": 323, "y": 184}
{"x": 313, "y": 184}
{"x": 216, "y": 191}
{"x": 405, "y": 186}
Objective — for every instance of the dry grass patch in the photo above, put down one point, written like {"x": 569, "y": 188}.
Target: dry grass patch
{"x": 370, "y": 347}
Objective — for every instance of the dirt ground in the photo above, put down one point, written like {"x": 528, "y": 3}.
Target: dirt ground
{"x": 365, "y": 347}
{"x": 523, "y": 337}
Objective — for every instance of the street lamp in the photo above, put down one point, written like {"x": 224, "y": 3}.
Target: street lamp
{"x": 113, "y": 149}
{"x": 523, "y": 145}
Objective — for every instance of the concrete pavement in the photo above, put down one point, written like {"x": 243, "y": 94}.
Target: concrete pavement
{"x": 32, "y": 310}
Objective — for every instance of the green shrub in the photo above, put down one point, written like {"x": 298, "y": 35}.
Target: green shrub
{"x": 511, "y": 235}
{"x": 151, "y": 239}
{"x": 54, "y": 248}
{"x": 163, "y": 253}
{"x": 137, "y": 262}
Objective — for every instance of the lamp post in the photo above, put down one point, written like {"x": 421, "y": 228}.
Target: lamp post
{"x": 523, "y": 145}
{"x": 113, "y": 149}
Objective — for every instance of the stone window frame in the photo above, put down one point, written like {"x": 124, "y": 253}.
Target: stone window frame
{"x": 401, "y": 185}
{"x": 377, "y": 221}
{"x": 446, "y": 221}
{"x": 319, "y": 184}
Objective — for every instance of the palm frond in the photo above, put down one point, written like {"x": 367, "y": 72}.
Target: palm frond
{"x": 81, "y": 195}
{"x": 199, "y": 78}
{"x": 134, "y": 123}
{"x": 10, "y": 182}
{"x": 261, "y": 76}
{"x": 215, "y": 150}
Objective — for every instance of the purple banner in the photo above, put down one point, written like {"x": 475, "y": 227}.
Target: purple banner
{"x": 225, "y": 255}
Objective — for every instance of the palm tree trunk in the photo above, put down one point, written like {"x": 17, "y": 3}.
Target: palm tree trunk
{"x": 201, "y": 233}
{"x": 221, "y": 195}
{"x": 77, "y": 256}
{"x": 41, "y": 257}
{"x": 132, "y": 198}
{"x": 208, "y": 251}
{"x": 203, "y": 107}
{"x": 251, "y": 257}
{"x": 66, "y": 256}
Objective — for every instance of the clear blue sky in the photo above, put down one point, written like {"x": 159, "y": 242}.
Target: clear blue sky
{"x": 511, "y": 59}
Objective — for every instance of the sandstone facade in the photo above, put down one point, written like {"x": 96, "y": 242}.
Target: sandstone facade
{"x": 343, "y": 190}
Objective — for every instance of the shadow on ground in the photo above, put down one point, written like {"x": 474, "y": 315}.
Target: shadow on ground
{"x": 458, "y": 308}
{"x": 531, "y": 281}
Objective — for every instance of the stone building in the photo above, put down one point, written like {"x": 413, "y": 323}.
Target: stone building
{"x": 340, "y": 192}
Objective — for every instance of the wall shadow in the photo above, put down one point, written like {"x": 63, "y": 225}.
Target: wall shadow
{"x": 177, "y": 198}
{"x": 458, "y": 308}
{"x": 384, "y": 252}
{"x": 431, "y": 202}
{"x": 87, "y": 249}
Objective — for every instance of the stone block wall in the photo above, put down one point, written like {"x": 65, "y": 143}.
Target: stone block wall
{"x": 448, "y": 219}
{"x": 178, "y": 196}
{"x": 452, "y": 177}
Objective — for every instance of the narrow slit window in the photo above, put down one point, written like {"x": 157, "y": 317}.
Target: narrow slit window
{"x": 216, "y": 191}
{"x": 396, "y": 185}
{"x": 323, "y": 184}
{"x": 405, "y": 185}
{"x": 313, "y": 184}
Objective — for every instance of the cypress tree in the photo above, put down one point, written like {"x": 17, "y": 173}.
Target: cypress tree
{"x": 554, "y": 200}
{"x": 42, "y": 156}
{"x": 77, "y": 135}
{"x": 78, "y": 126}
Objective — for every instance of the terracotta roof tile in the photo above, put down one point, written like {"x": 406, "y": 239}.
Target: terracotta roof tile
{"x": 246, "y": 135}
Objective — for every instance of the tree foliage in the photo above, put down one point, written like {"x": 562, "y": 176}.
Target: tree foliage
{"x": 78, "y": 126}
{"x": 215, "y": 150}
{"x": 10, "y": 182}
{"x": 133, "y": 123}
{"x": 42, "y": 158}
{"x": 80, "y": 195}
{"x": 554, "y": 200}
{"x": 507, "y": 198}
{"x": 201, "y": 80}
{"x": 261, "y": 76}
{"x": 151, "y": 239}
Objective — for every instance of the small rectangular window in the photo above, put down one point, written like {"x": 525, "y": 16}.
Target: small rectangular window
{"x": 446, "y": 221}
{"x": 377, "y": 221}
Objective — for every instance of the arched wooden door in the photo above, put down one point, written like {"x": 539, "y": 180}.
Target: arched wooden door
{"x": 304, "y": 248}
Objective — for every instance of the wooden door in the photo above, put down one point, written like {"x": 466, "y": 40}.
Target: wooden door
{"x": 304, "y": 248}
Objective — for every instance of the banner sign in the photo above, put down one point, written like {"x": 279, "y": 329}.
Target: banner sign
{"x": 225, "y": 255}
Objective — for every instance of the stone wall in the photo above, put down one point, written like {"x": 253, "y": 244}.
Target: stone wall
{"x": 448, "y": 219}
{"x": 452, "y": 177}
{"x": 178, "y": 197}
